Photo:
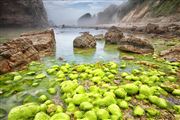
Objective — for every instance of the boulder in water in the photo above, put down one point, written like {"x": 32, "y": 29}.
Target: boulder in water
{"x": 85, "y": 41}
{"x": 114, "y": 35}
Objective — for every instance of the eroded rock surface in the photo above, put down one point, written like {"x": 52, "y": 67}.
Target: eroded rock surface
{"x": 171, "y": 54}
{"x": 135, "y": 45}
{"x": 86, "y": 40}
{"x": 22, "y": 13}
{"x": 18, "y": 52}
{"x": 114, "y": 35}
{"x": 43, "y": 42}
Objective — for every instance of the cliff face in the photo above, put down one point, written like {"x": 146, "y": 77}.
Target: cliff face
{"x": 156, "y": 11}
{"x": 153, "y": 10}
{"x": 22, "y": 13}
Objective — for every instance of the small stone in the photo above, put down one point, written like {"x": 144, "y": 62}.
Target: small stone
{"x": 128, "y": 58}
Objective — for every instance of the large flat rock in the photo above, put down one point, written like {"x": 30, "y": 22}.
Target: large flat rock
{"x": 18, "y": 52}
{"x": 135, "y": 45}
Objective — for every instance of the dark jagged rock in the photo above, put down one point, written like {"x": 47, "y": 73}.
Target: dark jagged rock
{"x": 114, "y": 35}
{"x": 22, "y": 13}
{"x": 17, "y": 53}
{"x": 135, "y": 45}
{"x": 172, "y": 53}
{"x": 85, "y": 41}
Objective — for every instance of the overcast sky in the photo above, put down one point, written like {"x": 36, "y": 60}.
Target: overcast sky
{"x": 68, "y": 11}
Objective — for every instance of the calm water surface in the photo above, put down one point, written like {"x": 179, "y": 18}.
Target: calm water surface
{"x": 65, "y": 50}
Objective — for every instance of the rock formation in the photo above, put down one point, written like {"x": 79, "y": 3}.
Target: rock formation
{"x": 18, "y": 52}
{"x": 114, "y": 35}
{"x": 85, "y": 41}
{"x": 135, "y": 45}
{"x": 86, "y": 20}
{"x": 172, "y": 54}
{"x": 22, "y": 13}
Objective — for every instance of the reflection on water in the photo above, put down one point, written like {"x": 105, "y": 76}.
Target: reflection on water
{"x": 65, "y": 50}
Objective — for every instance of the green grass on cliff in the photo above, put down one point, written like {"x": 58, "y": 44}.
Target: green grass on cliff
{"x": 166, "y": 7}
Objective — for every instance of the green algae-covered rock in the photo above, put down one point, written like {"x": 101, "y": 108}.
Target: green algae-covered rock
{"x": 18, "y": 77}
{"x": 41, "y": 116}
{"x": 79, "y": 98}
{"x": 160, "y": 102}
{"x": 177, "y": 108}
{"x": 60, "y": 116}
{"x": 138, "y": 111}
{"x": 86, "y": 106}
{"x": 102, "y": 114}
{"x": 51, "y": 108}
{"x": 43, "y": 107}
{"x": 115, "y": 110}
{"x": 123, "y": 104}
{"x": 52, "y": 91}
{"x": 90, "y": 115}
{"x": 96, "y": 79}
{"x": 71, "y": 107}
{"x": 108, "y": 100}
{"x": 59, "y": 109}
{"x": 24, "y": 112}
{"x": 80, "y": 90}
{"x": 40, "y": 76}
{"x": 68, "y": 86}
{"x": 152, "y": 112}
{"x": 124, "y": 74}
{"x": 176, "y": 92}
{"x": 131, "y": 89}
{"x": 78, "y": 114}
{"x": 145, "y": 90}
{"x": 51, "y": 71}
{"x": 120, "y": 92}
{"x": 43, "y": 98}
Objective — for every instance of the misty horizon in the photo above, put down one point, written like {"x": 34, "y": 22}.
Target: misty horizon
{"x": 69, "y": 11}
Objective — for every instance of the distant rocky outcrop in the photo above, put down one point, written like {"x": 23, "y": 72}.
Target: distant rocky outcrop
{"x": 85, "y": 41}
{"x": 22, "y": 13}
{"x": 86, "y": 20}
{"x": 18, "y": 52}
{"x": 135, "y": 45}
{"x": 114, "y": 35}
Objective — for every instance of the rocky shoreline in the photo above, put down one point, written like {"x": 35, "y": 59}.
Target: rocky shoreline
{"x": 18, "y": 52}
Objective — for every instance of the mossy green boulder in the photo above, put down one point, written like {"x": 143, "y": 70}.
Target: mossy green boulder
{"x": 102, "y": 114}
{"x": 131, "y": 89}
{"x": 138, "y": 111}
{"x": 115, "y": 110}
{"x": 42, "y": 116}
{"x": 24, "y": 112}
{"x": 152, "y": 112}
{"x": 120, "y": 92}
{"x": 123, "y": 104}
{"x": 90, "y": 115}
{"x": 160, "y": 102}
{"x": 176, "y": 92}
{"x": 60, "y": 116}
{"x": 86, "y": 106}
